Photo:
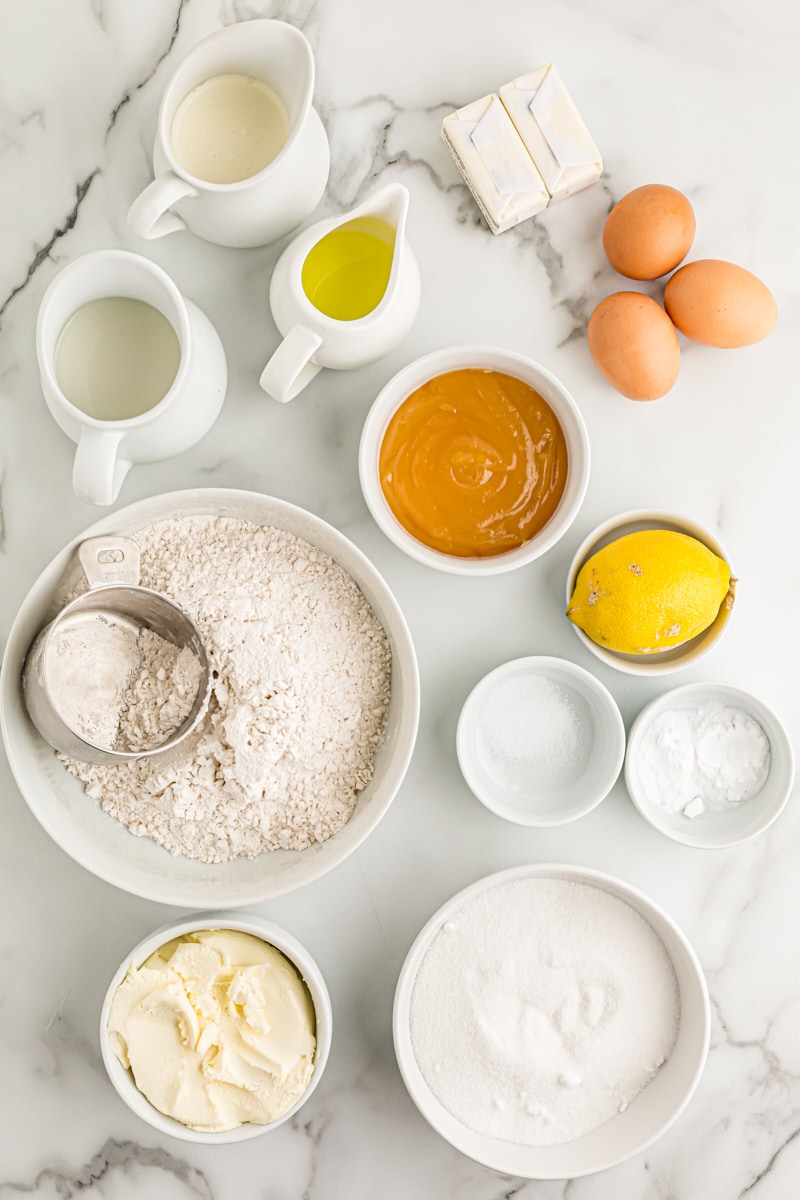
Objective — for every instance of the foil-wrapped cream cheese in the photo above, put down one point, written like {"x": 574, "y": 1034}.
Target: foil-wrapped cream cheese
{"x": 217, "y": 1028}
{"x": 522, "y": 149}
{"x": 545, "y": 117}
{"x": 495, "y": 164}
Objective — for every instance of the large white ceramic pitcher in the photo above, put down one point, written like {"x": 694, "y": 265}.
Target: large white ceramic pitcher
{"x": 313, "y": 340}
{"x": 265, "y": 206}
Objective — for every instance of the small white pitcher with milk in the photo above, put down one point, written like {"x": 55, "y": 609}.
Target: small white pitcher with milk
{"x": 241, "y": 157}
{"x": 131, "y": 370}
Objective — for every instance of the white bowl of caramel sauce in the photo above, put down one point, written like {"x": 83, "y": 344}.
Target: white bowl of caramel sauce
{"x": 474, "y": 460}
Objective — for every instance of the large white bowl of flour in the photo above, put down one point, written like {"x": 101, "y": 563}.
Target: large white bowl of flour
{"x": 137, "y": 864}
{"x": 551, "y": 1021}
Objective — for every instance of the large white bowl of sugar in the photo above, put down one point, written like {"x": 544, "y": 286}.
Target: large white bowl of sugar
{"x": 137, "y": 864}
{"x": 558, "y": 984}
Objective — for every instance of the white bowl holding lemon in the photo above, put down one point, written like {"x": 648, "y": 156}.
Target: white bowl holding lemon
{"x": 651, "y": 604}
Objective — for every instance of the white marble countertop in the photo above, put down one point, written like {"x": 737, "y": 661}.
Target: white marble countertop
{"x": 702, "y": 96}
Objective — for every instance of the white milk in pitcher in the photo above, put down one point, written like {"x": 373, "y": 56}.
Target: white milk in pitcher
{"x": 229, "y": 128}
{"x": 116, "y": 358}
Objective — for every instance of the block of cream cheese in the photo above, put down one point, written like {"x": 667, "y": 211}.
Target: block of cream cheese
{"x": 497, "y": 168}
{"x": 551, "y": 128}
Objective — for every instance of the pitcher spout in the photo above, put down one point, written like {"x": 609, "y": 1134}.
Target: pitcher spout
{"x": 282, "y": 52}
{"x": 384, "y": 213}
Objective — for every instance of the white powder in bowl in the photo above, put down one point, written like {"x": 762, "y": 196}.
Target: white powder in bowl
{"x": 533, "y": 734}
{"x": 712, "y": 757}
{"x": 541, "y": 1009}
{"x": 301, "y": 675}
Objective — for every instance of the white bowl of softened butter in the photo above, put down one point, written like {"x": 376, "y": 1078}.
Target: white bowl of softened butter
{"x": 498, "y": 973}
{"x": 148, "y": 998}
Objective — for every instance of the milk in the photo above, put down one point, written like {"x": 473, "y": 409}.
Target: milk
{"x": 229, "y": 128}
{"x": 116, "y": 358}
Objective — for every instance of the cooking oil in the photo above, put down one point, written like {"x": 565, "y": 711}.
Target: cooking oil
{"x": 345, "y": 275}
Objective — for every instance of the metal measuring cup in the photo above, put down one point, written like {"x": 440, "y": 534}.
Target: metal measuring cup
{"x": 102, "y": 624}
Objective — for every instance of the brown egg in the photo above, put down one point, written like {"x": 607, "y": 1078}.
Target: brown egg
{"x": 634, "y": 345}
{"x": 649, "y": 231}
{"x": 720, "y": 304}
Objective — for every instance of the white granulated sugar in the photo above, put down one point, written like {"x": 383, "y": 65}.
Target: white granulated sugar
{"x": 301, "y": 671}
{"x": 541, "y": 1009}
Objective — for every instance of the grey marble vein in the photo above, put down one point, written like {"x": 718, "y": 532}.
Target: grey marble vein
{"x": 113, "y": 1158}
{"x": 143, "y": 82}
{"x": 775, "y": 1070}
{"x": 314, "y": 1130}
{"x": 64, "y": 1039}
{"x": 766, "y": 1170}
{"x": 43, "y": 253}
{"x": 380, "y": 157}
{"x": 300, "y": 14}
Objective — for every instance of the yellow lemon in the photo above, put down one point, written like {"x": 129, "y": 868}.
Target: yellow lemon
{"x": 649, "y": 591}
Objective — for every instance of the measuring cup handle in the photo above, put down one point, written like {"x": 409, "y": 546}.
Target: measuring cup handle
{"x": 98, "y": 472}
{"x": 110, "y": 559}
{"x": 149, "y": 216}
{"x": 290, "y": 369}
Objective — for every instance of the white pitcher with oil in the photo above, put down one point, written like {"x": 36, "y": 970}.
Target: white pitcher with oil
{"x": 131, "y": 370}
{"x": 344, "y": 293}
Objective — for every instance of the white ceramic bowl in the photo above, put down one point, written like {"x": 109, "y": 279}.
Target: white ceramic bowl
{"x": 400, "y": 387}
{"x": 652, "y": 1112}
{"x": 667, "y": 661}
{"x": 580, "y": 793}
{"x": 122, "y": 1078}
{"x": 137, "y": 864}
{"x": 715, "y": 830}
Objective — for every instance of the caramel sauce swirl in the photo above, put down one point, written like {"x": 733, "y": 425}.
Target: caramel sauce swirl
{"x": 473, "y": 463}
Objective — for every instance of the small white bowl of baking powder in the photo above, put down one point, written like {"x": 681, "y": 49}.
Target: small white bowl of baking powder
{"x": 709, "y": 765}
{"x": 540, "y": 741}
{"x": 551, "y": 1021}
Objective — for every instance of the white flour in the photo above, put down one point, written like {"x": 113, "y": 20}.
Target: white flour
{"x": 121, "y": 687}
{"x": 300, "y": 689}
{"x": 159, "y": 695}
{"x": 541, "y": 1009}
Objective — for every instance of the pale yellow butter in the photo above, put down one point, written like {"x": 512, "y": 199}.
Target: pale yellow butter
{"x": 217, "y": 1028}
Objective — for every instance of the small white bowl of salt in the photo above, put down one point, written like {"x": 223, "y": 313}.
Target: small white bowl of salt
{"x": 540, "y": 741}
{"x": 709, "y": 765}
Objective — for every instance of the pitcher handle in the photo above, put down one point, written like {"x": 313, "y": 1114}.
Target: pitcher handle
{"x": 98, "y": 473}
{"x": 149, "y": 216}
{"x": 290, "y": 369}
